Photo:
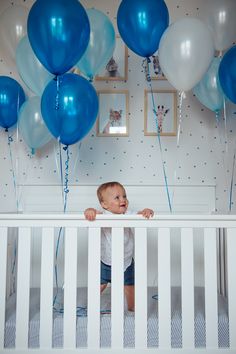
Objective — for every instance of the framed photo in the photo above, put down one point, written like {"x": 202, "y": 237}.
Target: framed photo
{"x": 155, "y": 68}
{"x": 164, "y": 120}
{"x": 113, "y": 113}
{"x": 117, "y": 67}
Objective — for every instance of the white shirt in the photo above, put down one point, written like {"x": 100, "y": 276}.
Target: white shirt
{"x": 128, "y": 243}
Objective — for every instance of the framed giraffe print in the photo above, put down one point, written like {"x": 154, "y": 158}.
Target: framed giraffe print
{"x": 160, "y": 112}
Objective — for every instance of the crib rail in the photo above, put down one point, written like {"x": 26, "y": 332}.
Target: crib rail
{"x": 163, "y": 223}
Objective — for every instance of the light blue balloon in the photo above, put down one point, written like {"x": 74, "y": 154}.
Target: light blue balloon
{"x": 32, "y": 72}
{"x": 31, "y": 124}
{"x": 101, "y": 44}
{"x": 208, "y": 90}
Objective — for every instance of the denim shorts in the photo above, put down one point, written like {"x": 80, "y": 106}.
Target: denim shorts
{"x": 128, "y": 274}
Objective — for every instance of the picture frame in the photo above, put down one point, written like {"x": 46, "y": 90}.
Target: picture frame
{"x": 117, "y": 67}
{"x": 155, "y": 68}
{"x": 112, "y": 118}
{"x": 165, "y": 105}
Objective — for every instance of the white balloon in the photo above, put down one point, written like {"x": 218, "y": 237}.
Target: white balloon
{"x": 13, "y": 27}
{"x": 219, "y": 15}
{"x": 185, "y": 52}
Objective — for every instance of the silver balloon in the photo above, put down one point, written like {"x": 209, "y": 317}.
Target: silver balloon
{"x": 219, "y": 15}
{"x": 185, "y": 52}
{"x": 13, "y": 27}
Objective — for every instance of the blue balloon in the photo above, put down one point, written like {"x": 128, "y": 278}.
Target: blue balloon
{"x": 12, "y": 97}
{"x": 70, "y": 110}
{"x": 141, "y": 24}
{"x": 31, "y": 124}
{"x": 101, "y": 44}
{"x": 58, "y": 32}
{"x": 227, "y": 74}
{"x": 208, "y": 90}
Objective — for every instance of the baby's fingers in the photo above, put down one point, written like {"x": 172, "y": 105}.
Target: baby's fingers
{"x": 90, "y": 216}
{"x": 147, "y": 213}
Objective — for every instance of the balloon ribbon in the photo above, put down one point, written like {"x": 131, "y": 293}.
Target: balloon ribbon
{"x": 146, "y": 63}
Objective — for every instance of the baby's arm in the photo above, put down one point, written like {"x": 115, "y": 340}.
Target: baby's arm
{"x": 147, "y": 213}
{"x": 90, "y": 214}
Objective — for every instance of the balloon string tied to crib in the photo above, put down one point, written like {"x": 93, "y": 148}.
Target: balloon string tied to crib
{"x": 65, "y": 191}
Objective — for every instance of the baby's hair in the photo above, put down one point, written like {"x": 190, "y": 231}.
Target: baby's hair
{"x": 104, "y": 186}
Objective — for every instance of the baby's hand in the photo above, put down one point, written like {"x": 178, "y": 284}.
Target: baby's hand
{"x": 146, "y": 213}
{"x": 90, "y": 214}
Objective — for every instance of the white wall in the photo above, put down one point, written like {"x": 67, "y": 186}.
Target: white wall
{"x": 200, "y": 160}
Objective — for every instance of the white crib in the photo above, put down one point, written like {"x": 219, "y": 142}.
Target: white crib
{"x": 162, "y": 226}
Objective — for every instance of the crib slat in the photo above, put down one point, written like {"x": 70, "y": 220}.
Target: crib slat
{"x": 70, "y": 288}
{"x": 3, "y": 270}
{"x": 140, "y": 288}
{"x": 117, "y": 288}
{"x": 187, "y": 288}
{"x": 231, "y": 253}
{"x": 23, "y": 283}
{"x": 46, "y": 293}
{"x": 211, "y": 288}
{"x": 164, "y": 288}
{"x": 94, "y": 270}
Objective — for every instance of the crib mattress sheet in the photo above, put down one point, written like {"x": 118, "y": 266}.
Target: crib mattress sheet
{"x": 129, "y": 319}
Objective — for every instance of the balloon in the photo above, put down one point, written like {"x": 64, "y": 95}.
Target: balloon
{"x": 71, "y": 111}
{"x": 101, "y": 44}
{"x": 11, "y": 98}
{"x": 32, "y": 72}
{"x": 58, "y": 32}
{"x": 13, "y": 23}
{"x": 227, "y": 74}
{"x": 31, "y": 124}
{"x": 220, "y": 17}
{"x": 208, "y": 90}
{"x": 141, "y": 24}
{"x": 185, "y": 52}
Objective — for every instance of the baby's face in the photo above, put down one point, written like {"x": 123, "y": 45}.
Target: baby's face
{"x": 114, "y": 200}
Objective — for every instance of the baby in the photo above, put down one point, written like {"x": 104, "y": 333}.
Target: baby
{"x": 113, "y": 199}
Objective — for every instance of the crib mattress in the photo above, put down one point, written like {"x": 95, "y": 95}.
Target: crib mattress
{"x": 129, "y": 317}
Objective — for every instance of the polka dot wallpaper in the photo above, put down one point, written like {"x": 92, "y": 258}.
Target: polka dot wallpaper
{"x": 202, "y": 155}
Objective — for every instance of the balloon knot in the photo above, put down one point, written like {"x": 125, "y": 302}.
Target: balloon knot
{"x": 65, "y": 147}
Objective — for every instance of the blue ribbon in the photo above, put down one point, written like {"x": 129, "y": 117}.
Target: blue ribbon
{"x": 231, "y": 185}
{"x": 65, "y": 191}
{"x": 66, "y": 180}
{"x": 10, "y": 140}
